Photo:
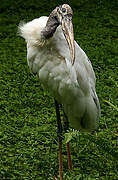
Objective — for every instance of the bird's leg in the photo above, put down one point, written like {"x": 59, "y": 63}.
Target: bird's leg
{"x": 59, "y": 132}
{"x": 66, "y": 127}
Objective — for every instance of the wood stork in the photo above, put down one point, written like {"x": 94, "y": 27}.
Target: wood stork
{"x": 64, "y": 69}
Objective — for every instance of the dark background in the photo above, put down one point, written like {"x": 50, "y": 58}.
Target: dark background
{"x": 28, "y": 139}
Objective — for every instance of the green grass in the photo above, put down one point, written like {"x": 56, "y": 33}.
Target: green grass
{"x": 28, "y": 139}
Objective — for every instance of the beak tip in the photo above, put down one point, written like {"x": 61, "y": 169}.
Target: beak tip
{"x": 73, "y": 61}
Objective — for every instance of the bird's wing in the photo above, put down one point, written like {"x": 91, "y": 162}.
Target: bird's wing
{"x": 85, "y": 75}
{"x": 84, "y": 70}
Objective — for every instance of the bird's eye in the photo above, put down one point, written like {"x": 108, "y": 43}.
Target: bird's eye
{"x": 63, "y": 10}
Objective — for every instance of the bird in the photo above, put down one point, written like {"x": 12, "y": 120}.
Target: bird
{"x": 63, "y": 69}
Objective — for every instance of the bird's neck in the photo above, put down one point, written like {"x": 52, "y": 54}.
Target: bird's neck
{"x": 51, "y": 26}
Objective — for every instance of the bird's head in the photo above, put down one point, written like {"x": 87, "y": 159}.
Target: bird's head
{"x": 62, "y": 15}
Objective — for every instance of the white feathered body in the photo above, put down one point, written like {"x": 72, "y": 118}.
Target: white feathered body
{"x": 72, "y": 86}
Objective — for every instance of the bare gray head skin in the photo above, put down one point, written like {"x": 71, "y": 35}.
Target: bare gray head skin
{"x": 61, "y": 15}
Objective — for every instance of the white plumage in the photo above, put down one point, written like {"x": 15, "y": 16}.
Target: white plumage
{"x": 72, "y": 85}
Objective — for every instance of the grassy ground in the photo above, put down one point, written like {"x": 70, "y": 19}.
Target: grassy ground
{"x": 28, "y": 139}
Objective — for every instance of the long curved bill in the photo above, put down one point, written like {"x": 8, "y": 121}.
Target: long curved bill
{"x": 67, "y": 28}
